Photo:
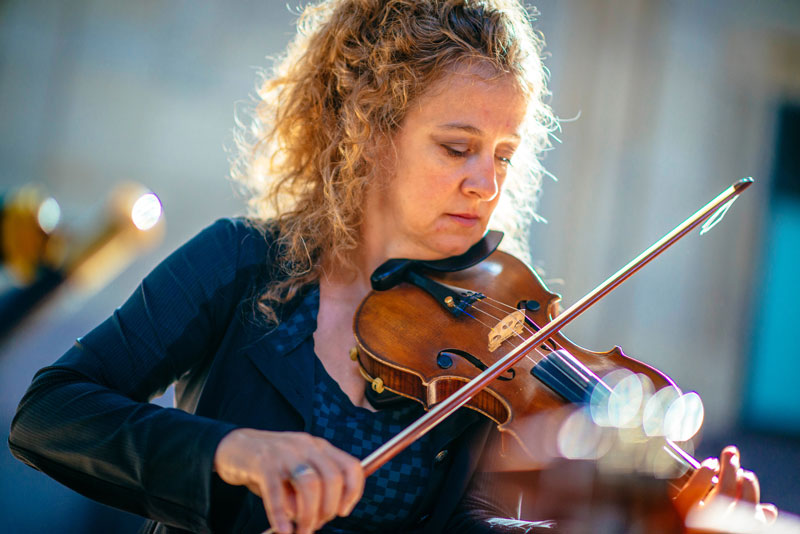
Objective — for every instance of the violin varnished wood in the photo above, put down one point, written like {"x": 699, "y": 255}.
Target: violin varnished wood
{"x": 400, "y": 332}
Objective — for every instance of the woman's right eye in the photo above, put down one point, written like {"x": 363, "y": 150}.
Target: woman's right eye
{"x": 453, "y": 152}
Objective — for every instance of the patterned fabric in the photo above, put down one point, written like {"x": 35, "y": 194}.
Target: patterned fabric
{"x": 390, "y": 493}
{"x": 299, "y": 326}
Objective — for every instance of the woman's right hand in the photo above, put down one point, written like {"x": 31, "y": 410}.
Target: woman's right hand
{"x": 301, "y": 478}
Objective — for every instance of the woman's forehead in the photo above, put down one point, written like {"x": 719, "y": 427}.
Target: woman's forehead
{"x": 468, "y": 78}
{"x": 465, "y": 94}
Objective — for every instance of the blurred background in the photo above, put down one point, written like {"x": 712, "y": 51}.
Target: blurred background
{"x": 665, "y": 103}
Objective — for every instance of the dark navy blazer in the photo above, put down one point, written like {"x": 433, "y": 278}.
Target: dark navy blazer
{"x": 86, "y": 420}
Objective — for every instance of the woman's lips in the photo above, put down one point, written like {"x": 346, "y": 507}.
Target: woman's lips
{"x": 464, "y": 219}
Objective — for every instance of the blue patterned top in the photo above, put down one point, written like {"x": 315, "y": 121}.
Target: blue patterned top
{"x": 391, "y": 492}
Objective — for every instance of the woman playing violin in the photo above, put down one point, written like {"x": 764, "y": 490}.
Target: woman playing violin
{"x": 390, "y": 129}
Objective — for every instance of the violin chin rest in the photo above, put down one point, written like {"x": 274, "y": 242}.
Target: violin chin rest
{"x": 392, "y": 272}
{"x": 476, "y": 254}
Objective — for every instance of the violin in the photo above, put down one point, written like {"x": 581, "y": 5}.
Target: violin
{"x": 482, "y": 331}
{"x": 428, "y": 360}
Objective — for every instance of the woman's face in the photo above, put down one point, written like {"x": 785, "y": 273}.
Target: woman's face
{"x": 446, "y": 167}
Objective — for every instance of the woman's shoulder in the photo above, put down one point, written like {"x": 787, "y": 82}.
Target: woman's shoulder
{"x": 249, "y": 241}
{"x": 230, "y": 254}
{"x": 240, "y": 227}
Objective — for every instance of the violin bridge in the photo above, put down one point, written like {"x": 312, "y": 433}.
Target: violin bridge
{"x": 510, "y": 325}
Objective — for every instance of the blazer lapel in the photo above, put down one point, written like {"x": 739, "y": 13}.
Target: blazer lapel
{"x": 285, "y": 355}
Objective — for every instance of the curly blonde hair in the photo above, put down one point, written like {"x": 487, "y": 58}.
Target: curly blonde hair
{"x": 346, "y": 80}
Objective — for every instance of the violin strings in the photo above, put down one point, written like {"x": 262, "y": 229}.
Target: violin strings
{"x": 490, "y": 301}
{"x": 509, "y": 339}
{"x": 522, "y": 338}
{"x": 504, "y": 305}
{"x": 525, "y": 326}
{"x": 508, "y": 307}
{"x": 499, "y": 306}
{"x": 553, "y": 340}
{"x": 487, "y": 325}
{"x": 495, "y": 318}
{"x": 492, "y": 316}
{"x": 484, "y": 311}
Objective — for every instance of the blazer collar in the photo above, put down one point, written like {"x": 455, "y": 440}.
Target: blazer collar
{"x": 276, "y": 355}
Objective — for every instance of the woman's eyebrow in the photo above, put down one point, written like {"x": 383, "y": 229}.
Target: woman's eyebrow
{"x": 468, "y": 128}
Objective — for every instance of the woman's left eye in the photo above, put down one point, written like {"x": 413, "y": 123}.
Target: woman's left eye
{"x": 453, "y": 152}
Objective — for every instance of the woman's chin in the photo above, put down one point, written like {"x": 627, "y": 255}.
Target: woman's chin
{"x": 453, "y": 246}
{"x": 436, "y": 245}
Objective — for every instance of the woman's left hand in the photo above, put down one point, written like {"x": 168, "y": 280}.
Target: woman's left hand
{"x": 735, "y": 496}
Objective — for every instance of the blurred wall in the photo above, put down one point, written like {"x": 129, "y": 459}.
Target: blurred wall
{"x": 674, "y": 102}
{"x": 665, "y": 103}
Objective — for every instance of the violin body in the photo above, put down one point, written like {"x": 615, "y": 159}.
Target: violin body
{"x": 409, "y": 344}
{"x": 462, "y": 332}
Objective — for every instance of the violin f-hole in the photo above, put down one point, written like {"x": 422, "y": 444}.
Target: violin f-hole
{"x": 445, "y": 360}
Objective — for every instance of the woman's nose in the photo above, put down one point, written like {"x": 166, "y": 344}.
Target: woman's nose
{"x": 481, "y": 181}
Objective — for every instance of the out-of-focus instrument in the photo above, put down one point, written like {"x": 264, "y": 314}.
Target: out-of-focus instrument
{"x": 39, "y": 255}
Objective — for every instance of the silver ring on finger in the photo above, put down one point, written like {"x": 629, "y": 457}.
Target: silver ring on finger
{"x": 301, "y": 470}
